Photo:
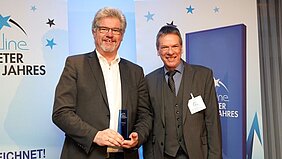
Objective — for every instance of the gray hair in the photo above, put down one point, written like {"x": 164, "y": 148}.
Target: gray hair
{"x": 109, "y": 12}
{"x": 168, "y": 29}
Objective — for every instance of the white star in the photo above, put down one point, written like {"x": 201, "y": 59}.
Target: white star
{"x": 216, "y": 82}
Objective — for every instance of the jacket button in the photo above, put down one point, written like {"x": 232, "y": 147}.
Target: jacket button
{"x": 162, "y": 143}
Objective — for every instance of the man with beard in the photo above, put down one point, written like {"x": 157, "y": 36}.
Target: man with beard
{"x": 92, "y": 90}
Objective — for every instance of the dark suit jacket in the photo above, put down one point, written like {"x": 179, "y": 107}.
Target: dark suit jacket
{"x": 202, "y": 130}
{"x": 81, "y": 106}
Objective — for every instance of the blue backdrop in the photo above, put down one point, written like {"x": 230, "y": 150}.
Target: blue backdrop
{"x": 224, "y": 51}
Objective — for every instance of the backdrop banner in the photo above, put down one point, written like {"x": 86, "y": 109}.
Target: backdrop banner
{"x": 33, "y": 47}
{"x": 224, "y": 51}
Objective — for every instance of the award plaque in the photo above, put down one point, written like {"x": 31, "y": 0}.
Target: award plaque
{"x": 122, "y": 124}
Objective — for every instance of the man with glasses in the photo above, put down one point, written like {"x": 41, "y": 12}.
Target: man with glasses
{"x": 92, "y": 91}
{"x": 186, "y": 122}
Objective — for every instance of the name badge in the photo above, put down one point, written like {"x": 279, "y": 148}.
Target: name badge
{"x": 196, "y": 104}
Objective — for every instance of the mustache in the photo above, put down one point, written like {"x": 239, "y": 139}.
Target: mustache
{"x": 109, "y": 40}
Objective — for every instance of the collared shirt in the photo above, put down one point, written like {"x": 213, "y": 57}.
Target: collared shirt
{"x": 177, "y": 77}
{"x": 113, "y": 87}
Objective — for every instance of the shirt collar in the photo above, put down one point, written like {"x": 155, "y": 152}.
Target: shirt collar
{"x": 102, "y": 58}
{"x": 178, "y": 69}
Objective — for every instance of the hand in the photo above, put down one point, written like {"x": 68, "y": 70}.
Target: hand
{"x": 108, "y": 137}
{"x": 132, "y": 142}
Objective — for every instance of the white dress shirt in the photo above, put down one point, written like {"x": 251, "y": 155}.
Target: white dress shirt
{"x": 111, "y": 75}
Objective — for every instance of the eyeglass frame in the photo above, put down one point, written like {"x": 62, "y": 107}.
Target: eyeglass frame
{"x": 105, "y": 30}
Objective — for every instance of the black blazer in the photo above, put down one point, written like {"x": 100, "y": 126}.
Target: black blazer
{"x": 81, "y": 105}
{"x": 202, "y": 130}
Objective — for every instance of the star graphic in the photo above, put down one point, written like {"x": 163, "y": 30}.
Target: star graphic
{"x": 216, "y": 9}
{"x": 171, "y": 24}
{"x": 190, "y": 9}
{"x": 149, "y": 16}
{"x": 50, "y": 22}
{"x": 50, "y": 43}
{"x": 33, "y": 8}
{"x": 4, "y": 21}
{"x": 216, "y": 82}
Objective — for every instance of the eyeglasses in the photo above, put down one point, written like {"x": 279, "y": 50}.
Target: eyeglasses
{"x": 167, "y": 48}
{"x": 104, "y": 30}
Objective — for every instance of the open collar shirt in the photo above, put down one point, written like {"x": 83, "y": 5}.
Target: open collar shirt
{"x": 111, "y": 75}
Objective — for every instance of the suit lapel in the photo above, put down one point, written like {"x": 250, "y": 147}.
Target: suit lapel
{"x": 98, "y": 74}
{"x": 124, "y": 77}
{"x": 160, "y": 83}
{"x": 187, "y": 79}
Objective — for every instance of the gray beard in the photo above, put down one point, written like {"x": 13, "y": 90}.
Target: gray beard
{"x": 108, "y": 49}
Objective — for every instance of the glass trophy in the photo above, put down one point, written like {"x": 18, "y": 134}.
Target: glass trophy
{"x": 122, "y": 124}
